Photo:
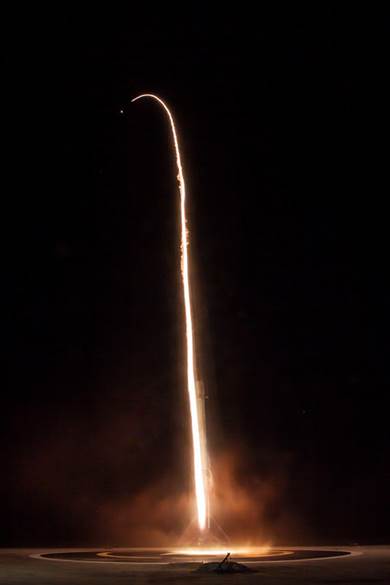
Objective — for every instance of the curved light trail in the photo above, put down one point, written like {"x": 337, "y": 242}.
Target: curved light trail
{"x": 198, "y": 438}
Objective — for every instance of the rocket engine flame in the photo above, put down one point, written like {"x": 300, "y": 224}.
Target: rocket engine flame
{"x": 198, "y": 431}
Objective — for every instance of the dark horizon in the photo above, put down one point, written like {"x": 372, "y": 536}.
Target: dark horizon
{"x": 282, "y": 130}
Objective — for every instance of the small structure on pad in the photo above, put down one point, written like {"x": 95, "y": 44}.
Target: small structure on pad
{"x": 225, "y": 567}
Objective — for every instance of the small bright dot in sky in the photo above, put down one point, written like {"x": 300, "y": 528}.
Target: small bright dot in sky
{"x": 121, "y": 111}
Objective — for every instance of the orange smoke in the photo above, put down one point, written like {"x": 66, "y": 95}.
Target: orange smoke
{"x": 158, "y": 515}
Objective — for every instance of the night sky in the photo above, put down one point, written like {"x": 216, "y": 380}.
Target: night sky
{"x": 282, "y": 125}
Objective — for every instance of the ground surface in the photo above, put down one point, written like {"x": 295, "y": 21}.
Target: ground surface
{"x": 365, "y": 565}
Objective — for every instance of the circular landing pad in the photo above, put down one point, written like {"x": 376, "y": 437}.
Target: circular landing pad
{"x": 179, "y": 557}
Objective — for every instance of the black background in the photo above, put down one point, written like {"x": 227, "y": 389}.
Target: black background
{"x": 282, "y": 120}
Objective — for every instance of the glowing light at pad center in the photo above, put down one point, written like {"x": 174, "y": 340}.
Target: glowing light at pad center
{"x": 198, "y": 439}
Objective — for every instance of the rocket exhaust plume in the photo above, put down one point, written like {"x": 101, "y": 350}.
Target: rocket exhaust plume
{"x": 197, "y": 420}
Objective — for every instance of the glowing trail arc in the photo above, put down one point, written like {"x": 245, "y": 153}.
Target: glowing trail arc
{"x": 197, "y": 439}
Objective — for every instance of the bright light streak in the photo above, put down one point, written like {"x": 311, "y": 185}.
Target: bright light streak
{"x": 197, "y": 431}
